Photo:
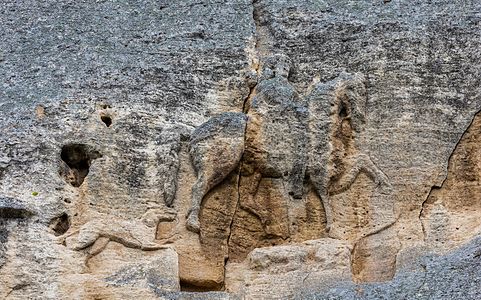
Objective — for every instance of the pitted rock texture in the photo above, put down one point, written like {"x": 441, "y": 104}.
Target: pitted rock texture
{"x": 248, "y": 149}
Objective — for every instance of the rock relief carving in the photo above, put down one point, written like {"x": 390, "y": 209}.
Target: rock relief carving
{"x": 94, "y": 235}
{"x": 316, "y": 138}
{"x": 91, "y": 230}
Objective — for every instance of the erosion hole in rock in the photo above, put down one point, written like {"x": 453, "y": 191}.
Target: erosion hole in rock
{"x": 78, "y": 158}
{"x": 342, "y": 111}
{"x": 188, "y": 287}
{"x": 106, "y": 119}
{"x": 60, "y": 224}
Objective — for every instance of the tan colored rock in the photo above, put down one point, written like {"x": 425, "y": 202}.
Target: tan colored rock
{"x": 278, "y": 272}
{"x": 240, "y": 149}
{"x": 451, "y": 214}
{"x": 118, "y": 272}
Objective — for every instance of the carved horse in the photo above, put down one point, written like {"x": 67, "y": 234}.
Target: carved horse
{"x": 319, "y": 139}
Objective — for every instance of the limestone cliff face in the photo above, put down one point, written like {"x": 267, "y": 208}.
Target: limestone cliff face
{"x": 258, "y": 149}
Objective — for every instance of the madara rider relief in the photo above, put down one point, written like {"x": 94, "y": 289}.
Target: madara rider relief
{"x": 284, "y": 149}
{"x": 316, "y": 138}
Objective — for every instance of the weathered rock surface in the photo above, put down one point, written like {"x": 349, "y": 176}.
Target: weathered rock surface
{"x": 278, "y": 272}
{"x": 453, "y": 276}
{"x": 266, "y": 149}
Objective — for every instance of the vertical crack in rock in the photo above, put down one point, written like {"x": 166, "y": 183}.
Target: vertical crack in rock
{"x": 254, "y": 59}
{"x": 252, "y": 89}
{"x": 257, "y": 25}
{"x": 425, "y": 202}
{"x": 262, "y": 34}
{"x": 437, "y": 187}
{"x": 255, "y": 65}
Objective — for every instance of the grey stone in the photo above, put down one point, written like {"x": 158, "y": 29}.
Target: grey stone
{"x": 12, "y": 208}
{"x": 134, "y": 81}
{"x": 453, "y": 276}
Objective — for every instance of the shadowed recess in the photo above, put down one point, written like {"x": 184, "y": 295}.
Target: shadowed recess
{"x": 60, "y": 224}
{"x": 78, "y": 158}
{"x": 11, "y": 208}
{"x": 188, "y": 287}
{"x": 106, "y": 119}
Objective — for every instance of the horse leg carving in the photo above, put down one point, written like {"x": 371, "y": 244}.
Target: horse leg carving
{"x": 198, "y": 191}
{"x": 320, "y": 181}
{"x": 216, "y": 148}
{"x": 374, "y": 172}
{"x": 212, "y": 171}
{"x": 247, "y": 191}
{"x": 363, "y": 164}
{"x": 298, "y": 170}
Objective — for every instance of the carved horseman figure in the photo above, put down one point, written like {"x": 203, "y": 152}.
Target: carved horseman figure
{"x": 218, "y": 145}
{"x": 276, "y": 136}
{"x": 281, "y": 138}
